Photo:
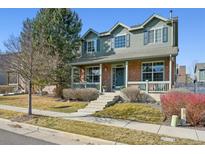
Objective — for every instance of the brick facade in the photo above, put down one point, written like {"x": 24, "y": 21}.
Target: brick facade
{"x": 106, "y": 78}
{"x": 134, "y": 71}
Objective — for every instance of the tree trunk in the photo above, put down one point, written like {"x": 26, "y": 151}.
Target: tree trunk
{"x": 30, "y": 98}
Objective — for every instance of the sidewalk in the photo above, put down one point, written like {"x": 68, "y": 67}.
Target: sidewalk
{"x": 51, "y": 135}
{"x": 152, "y": 128}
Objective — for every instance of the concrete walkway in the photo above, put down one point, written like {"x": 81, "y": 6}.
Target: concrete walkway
{"x": 152, "y": 128}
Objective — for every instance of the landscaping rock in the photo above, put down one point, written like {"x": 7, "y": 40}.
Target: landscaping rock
{"x": 168, "y": 139}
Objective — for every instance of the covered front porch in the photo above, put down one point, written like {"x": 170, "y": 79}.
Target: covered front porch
{"x": 150, "y": 75}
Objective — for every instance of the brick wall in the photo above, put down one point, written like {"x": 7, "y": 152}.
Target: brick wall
{"x": 106, "y": 78}
{"x": 82, "y": 73}
{"x": 134, "y": 70}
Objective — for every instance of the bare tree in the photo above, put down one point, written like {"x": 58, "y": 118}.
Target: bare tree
{"x": 28, "y": 60}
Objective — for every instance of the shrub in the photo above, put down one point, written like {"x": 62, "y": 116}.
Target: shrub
{"x": 133, "y": 94}
{"x": 7, "y": 89}
{"x": 172, "y": 102}
{"x": 87, "y": 94}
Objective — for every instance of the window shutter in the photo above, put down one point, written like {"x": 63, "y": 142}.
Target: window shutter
{"x": 84, "y": 47}
{"x": 98, "y": 45}
{"x": 145, "y": 37}
{"x": 112, "y": 43}
{"x": 165, "y": 34}
{"x": 128, "y": 40}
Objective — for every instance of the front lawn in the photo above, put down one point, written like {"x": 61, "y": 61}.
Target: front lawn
{"x": 132, "y": 111}
{"x": 43, "y": 103}
{"x": 117, "y": 134}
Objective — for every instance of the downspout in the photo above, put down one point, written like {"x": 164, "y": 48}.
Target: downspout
{"x": 170, "y": 72}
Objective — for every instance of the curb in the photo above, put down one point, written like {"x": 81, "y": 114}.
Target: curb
{"x": 51, "y": 135}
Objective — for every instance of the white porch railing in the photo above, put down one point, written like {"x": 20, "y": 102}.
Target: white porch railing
{"x": 151, "y": 86}
{"x": 86, "y": 85}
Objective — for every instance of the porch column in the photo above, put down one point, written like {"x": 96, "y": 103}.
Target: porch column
{"x": 100, "y": 78}
{"x": 170, "y": 72}
{"x": 126, "y": 73}
{"x": 71, "y": 76}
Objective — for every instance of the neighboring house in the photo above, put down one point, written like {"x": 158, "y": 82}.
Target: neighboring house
{"x": 182, "y": 77}
{"x": 7, "y": 77}
{"x": 141, "y": 55}
{"x": 199, "y": 72}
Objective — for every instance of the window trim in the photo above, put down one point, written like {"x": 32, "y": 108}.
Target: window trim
{"x": 86, "y": 69}
{"x": 123, "y": 34}
{"x": 95, "y": 45}
{"x": 156, "y": 28}
{"x": 158, "y": 61}
{"x": 201, "y": 70}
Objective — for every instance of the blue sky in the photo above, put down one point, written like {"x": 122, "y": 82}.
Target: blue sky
{"x": 191, "y": 26}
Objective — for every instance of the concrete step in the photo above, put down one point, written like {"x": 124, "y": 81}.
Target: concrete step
{"x": 94, "y": 105}
{"x": 99, "y": 102}
{"x": 88, "y": 111}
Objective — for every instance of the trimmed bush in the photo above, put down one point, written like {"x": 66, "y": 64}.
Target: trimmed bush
{"x": 87, "y": 94}
{"x": 172, "y": 102}
{"x": 133, "y": 94}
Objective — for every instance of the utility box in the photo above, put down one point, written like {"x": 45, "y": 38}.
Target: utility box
{"x": 174, "y": 120}
{"x": 183, "y": 116}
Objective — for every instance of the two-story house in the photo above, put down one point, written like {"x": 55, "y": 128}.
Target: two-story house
{"x": 200, "y": 72}
{"x": 141, "y": 55}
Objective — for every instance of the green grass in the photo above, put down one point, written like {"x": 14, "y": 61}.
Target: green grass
{"x": 43, "y": 103}
{"x": 111, "y": 133}
{"x": 132, "y": 111}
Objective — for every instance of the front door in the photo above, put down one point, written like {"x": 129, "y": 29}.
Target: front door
{"x": 118, "y": 78}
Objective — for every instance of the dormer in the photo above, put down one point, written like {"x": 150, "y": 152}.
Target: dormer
{"x": 91, "y": 42}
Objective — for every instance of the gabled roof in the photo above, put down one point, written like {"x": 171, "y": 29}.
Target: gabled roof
{"x": 89, "y": 31}
{"x": 199, "y": 66}
{"x": 134, "y": 27}
{"x": 115, "y": 26}
{"x": 148, "y": 20}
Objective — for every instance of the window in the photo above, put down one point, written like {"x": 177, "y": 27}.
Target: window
{"x": 202, "y": 75}
{"x": 156, "y": 35}
{"x": 120, "y": 41}
{"x": 153, "y": 71}
{"x": 151, "y": 36}
{"x": 91, "y": 46}
{"x": 12, "y": 78}
{"x": 93, "y": 74}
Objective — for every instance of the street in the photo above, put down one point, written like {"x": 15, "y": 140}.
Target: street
{"x": 9, "y": 138}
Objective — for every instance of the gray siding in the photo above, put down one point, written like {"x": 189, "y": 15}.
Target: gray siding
{"x": 136, "y": 39}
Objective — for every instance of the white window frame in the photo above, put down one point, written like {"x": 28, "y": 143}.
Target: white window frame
{"x": 200, "y": 70}
{"x": 124, "y": 34}
{"x": 86, "y": 69}
{"x": 95, "y": 45}
{"x": 160, "y": 61}
{"x": 155, "y": 31}
{"x": 156, "y": 28}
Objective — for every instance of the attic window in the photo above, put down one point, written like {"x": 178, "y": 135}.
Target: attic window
{"x": 91, "y": 47}
{"x": 120, "y": 41}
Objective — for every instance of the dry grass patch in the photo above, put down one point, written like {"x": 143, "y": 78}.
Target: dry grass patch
{"x": 9, "y": 114}
{"x": 111, "y": 133}
{"x": 43, "y": 103}
{"x": 132, "y": 111}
